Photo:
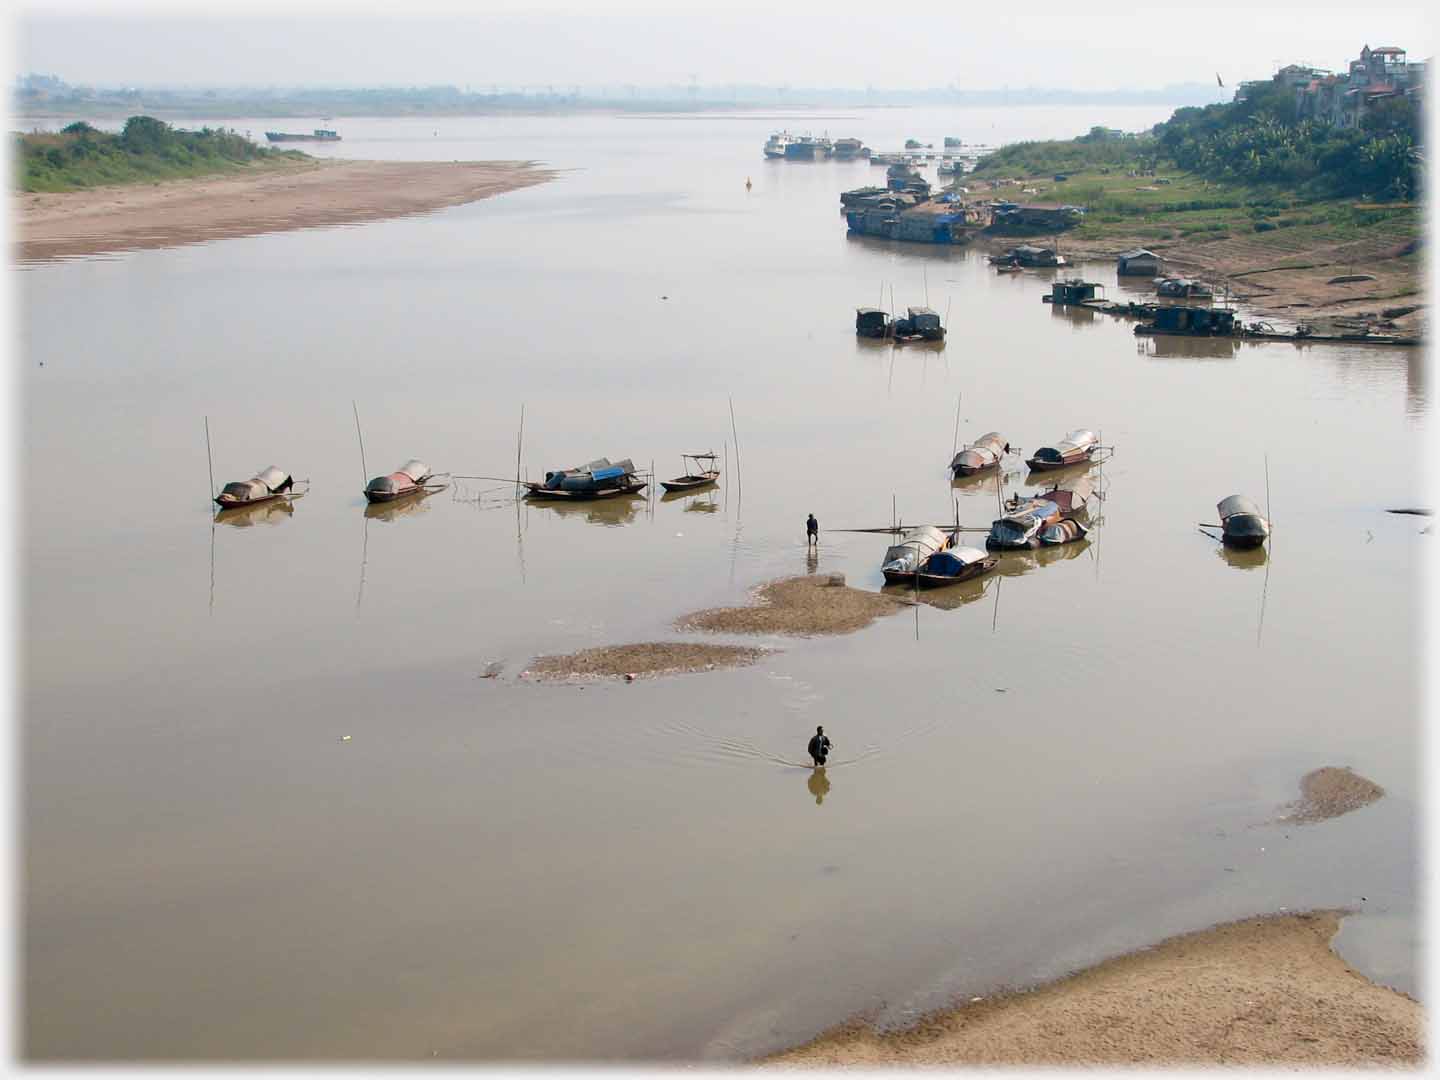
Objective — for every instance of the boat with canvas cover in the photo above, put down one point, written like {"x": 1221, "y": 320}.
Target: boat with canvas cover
{"x": 267, "y": 484}
{"x": 952, "y": 565}
{"x": 902, "y": 560}
{"x": 1079, "y": 445}
{"x": 1241, "y": 523}
{"x": 984, "y": 453}
{"x": 412, "y": 478}
{"x": 1020, "y": 526}
{"x": 598, "y": 479}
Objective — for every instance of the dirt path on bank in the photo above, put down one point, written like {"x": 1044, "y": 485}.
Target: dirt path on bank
{"x": 1263, "y": 991}
{"x": 268, "y": 199}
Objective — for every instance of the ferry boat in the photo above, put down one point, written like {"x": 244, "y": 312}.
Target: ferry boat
{"x": 318, "y": 135}
{"x": 776, "y": 144}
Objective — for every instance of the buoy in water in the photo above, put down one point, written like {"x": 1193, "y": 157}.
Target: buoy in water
{"x": 747, "y": 183}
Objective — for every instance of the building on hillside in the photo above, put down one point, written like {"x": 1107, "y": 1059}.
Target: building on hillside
{"x": 1344, "y": 100}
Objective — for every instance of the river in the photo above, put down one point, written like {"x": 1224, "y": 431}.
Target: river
{"x": 272, "y": 811}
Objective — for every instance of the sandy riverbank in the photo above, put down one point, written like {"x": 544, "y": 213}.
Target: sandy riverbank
{"x": 1262, "y": 991}
{"x": 642, "y": 659}
{"x": 268, "y": 199}
{"x": 809, "y": 604}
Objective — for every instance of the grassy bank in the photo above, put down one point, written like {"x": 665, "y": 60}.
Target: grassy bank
{"x": 147, "y": 150}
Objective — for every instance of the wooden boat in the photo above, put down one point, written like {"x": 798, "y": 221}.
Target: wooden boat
{"x": 410, "y": 479}
{"x": 920, "y": 324}
{"x": 267, "y": 484}
{"x": 1021, "y": 524}
{"x": 902, "y": 560}
{"x": 699, "y": 478}
{"x": 1079, "y": 445}
{"x": 1071, "y": 496}
{"x": 598, "y": 479}
{"x": 1065, "y": 531}
{"x": 984, "y": 453}
{"x": 1241, "y": 523}
{"x": 952, "y": 565}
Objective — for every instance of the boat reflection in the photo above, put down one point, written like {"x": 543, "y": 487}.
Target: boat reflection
{"x": 272, "y": 512}
{"x": 1243, "y": 558}
{"x": 404, "y": 506}
{"x": 701, "y": 502}
{"x": 1074, "y": 314}
{"x": 948, "y": 597}
{"x": 620, "y": 510}
{"x": 1180, "y": 347}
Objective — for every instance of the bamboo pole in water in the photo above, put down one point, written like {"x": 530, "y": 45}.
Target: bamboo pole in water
{"x": 955, "y": 446}
{"x": 209, "y": 462}
{"x": 364, "y": 472}
{"x": 739, "y": 482}
{"x": 519, "y": 445}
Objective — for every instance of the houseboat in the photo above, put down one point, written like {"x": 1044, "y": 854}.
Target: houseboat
{"x": 264, "y": 486}
{"x": 412, "y": 478}
{"x": 920, "y": 324}
{"x": 950, "y": 566}
{"x": 1183, "y": 289}
{"x": 903, "y": 560}
{"x": 984, "y": 453}
{"x": 1074, "y": 292}
{"x": 872, "y": 322}
{"x": 1191, "y": 322}
{"x": 1076, "y": 447}
{"x": 1241, "y": 523}
{"x": 598, "y": 479}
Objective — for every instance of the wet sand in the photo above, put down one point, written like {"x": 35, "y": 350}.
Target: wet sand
{"x": 1330, "y": 792}
{"x": 1262, "y": 991}
{"x": 269, "y": 199}
{"x": 647, "y": 658}
{"x": 803, "y": 605}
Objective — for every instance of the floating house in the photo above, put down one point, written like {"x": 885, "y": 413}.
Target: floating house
{"x": 1191, "y": 321}
{"x": 1073, "y": 292}
{"x": 1140, "y": 263}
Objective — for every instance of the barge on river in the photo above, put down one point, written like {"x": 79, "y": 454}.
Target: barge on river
{"x": 318, "y": 135}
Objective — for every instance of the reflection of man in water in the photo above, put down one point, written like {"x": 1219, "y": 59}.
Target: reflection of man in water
{"x": 819, "y": 785}
{"x": 812, "y": 530}
{"x": 819, "y": 747}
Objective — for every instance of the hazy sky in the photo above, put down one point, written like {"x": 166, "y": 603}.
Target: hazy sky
{"x": 901, "y": 44}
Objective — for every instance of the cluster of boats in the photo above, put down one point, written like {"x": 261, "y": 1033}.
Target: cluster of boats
{"x": 808, "y": 148}
{"x": 598, "y": 479}
{"x": 919, "y": 324}
{"x": 931, "y": 555}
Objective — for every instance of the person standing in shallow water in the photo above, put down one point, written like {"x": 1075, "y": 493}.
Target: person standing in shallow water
{"x": 819, "y": 747}
{"x": 812, "y": 530}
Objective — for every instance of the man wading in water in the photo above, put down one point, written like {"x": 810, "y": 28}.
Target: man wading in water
{"x": 819, "y": 747}
{"x": 812, "y": 531}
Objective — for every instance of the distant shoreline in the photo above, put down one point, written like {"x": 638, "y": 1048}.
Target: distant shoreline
{"x": 128, "y": 217}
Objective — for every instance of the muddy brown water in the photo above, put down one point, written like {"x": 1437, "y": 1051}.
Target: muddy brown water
{"x": 1030, "y": 773}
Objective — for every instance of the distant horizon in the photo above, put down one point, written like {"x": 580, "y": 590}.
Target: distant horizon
{"x": 1102, "y": 49}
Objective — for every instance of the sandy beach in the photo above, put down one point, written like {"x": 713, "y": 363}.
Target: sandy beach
{"x": 1262, "y": 991}
{"x": 271, "y": 199}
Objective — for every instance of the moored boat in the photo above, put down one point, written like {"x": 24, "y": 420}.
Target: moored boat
{"x": 705, "y": 473}
{"x": 1241, "y": 523}
{"x": 951, "y": 565}
{"x": 1021, "y": 524}
{"x": 1065, "y": 531}
{"x": 984, "y": 453}
{"x": 412, "y": 478}
{"x": 598, "y": 479}
{"x": 266, "y": 485}
{"x": 920, "y": 324}
{"x": 776, "y": 144}
{"x": 1079, "y": 445}
{"x": 903, "y": 560}
{"x": 871, "y": 322}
